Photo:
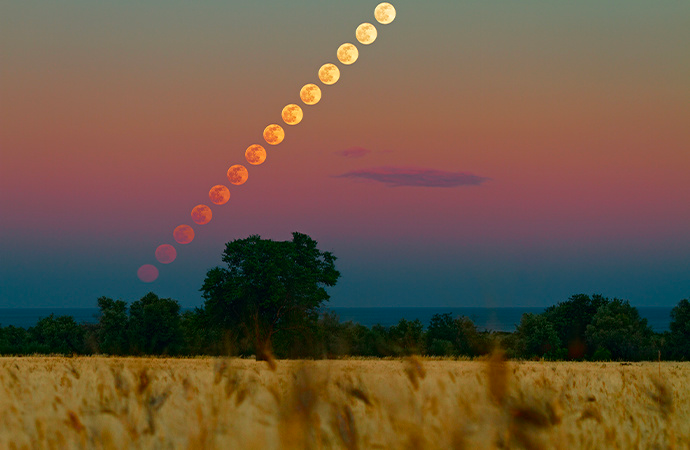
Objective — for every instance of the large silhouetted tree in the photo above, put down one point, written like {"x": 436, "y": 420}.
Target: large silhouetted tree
{"x": 269, "y": 289}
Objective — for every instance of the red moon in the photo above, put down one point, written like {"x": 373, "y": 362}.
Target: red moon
{"x": 166, "y": 253}
{"x": 183, "y": 234}
{"x": 219, "y": 194}
{"x": 238, "y": 174}
{"x": 201, "y": 214}
{"x": 274, "y": 134}
{"x": 255, "y": 154}
{"x": 147, "y": 273}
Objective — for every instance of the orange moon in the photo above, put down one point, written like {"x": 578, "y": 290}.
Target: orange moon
{"x": 219, "y": 194}
{"x": 292, "y": 114}
{"x": 348, "y": 54}
{"x": 147, "y": 273}
{"x": 255, "y": 154}
{"x": 183, "y": 234}
{"x": 238, "y": 174}
{"x": 329, "y": 74}
{"x": 201, "y": 214}
{"x": 366, "y": 33}
{"x": 166, "y": 253}
{"x": 310, "y": 94}
{"x": 274, "y": 134}
{"x": 384, "y": 13}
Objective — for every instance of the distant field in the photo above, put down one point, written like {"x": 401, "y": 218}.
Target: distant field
{"x": 94, "y": 402}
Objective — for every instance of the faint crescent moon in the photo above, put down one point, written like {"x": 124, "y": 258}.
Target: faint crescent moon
{"x": 292, "y": 114}
{"x": 147, "y": 273}
{"x": 238, "y": 174}
{"x": 347, "y": 54}
{"x": 255, "y": 154}
{"x": 201, "y": 214}
{"x": 329, "y": 74}
{"x": 219, "y": 194}
{"x": 310, "y": 94}
{"x": 274, "y": 134}
{"x": 384, "y": 13}
{"x": 166, "y": 253}
{"x": 366, "y": 33}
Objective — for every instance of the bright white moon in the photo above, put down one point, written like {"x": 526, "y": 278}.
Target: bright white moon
{"x": 329, "y": 74}
{"x": 348, "y": 54}
{"x": 385, "y": 13}
{"x": 366, "y": 33}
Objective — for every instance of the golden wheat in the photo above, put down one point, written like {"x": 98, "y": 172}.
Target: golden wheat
{"x": 204, "y": 403}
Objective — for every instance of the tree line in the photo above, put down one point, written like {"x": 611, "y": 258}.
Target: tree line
{"x": 268, "y": 300}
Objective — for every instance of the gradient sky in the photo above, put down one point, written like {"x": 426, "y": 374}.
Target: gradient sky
{"x": 479, "y": 153}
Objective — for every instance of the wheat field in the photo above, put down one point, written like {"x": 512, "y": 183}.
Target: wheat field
{"x": 418, "y": 403}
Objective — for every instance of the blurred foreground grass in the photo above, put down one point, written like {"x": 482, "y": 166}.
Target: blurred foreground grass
{"x": 97, "y": 402}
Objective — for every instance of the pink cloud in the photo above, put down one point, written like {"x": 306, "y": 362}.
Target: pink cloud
{"x": 416, "y": 176}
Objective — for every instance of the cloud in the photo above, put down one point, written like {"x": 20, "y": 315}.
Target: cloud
{"x": 353, "y": 152}
{"x": 416, "y": 176}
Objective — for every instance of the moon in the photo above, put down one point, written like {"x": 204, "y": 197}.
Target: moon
{"x": 201, "y": 214}
{"x": 166, "y": 253}
{"x": 310, "y": 94}
{"x": 348, "y": 54}
{"x": 384, "y": 13}
{"x": 366, "y": 33}
{"x": 147, "y": 273}
{"x": 255, "y": 154}
{"x": 183, "y": 234}
{"x": 292, "y": 114}
{"x": 329, "y": 74}
{"x": 219, "y": 194}
{"x": 274, "y": 134}
{"x": 238, "y": 174}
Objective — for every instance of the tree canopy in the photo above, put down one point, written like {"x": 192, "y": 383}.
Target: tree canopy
{"x": 268, "y": 288}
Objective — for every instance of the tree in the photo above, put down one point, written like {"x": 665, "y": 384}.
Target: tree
{"x": 154, "y": 325}
{"x": 570, "y": 320}
{"x": 680, "y": 330}
{"x": 535, "y": 336}
{"x": 446, "y": 336}
{"x": 268, "y": 288}
{"x": 59, "y": 334}
{"x": 112, "y": 323}
{"x": 618, "y": 328}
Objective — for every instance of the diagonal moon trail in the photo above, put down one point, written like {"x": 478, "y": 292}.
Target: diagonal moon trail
{"x": 310, "y": 94}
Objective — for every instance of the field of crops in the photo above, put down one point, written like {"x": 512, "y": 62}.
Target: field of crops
{"x": 94, "y": 402}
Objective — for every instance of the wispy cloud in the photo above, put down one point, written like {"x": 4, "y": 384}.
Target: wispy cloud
{"x": 416, "y": 176}
{"x": 353, "y": 152}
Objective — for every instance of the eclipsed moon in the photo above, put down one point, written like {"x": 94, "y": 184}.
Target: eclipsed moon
{"x": 219, "y": 194}
{"x": 255, "y": 154}
{"x": 329, "y": 74}
{"x": 310, "y": 94}
{"x": 384, "y": 13}
{"x": 292, "y": 114}
{"x": 166, "y": 253}
{"x": 238, "y": 174}
{"x": 347, "y": 54}
{"x": 183, "y": 234}
{"x": 274, "y": 134}
{"x": 366, "y": 33}
{"x": 147, "y": 273}
{"x": 201, "y": 214}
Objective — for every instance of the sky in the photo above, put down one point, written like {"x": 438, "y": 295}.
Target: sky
{"x": 478, "y": 153}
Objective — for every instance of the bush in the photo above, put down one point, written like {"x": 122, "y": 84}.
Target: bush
{"x": 535, "y": 337}
{"x": 618, "y": 327}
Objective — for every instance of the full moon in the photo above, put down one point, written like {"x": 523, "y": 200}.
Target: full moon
{"x": 385, "y": 13}
{"x": 329, "y": 74}
{"x": 219, "y": 194}
{"x": 238, "y": 174}
{"x": 292, "y": 114}
{"x": 147, "y": 273}
{"x": 366, "y": 33}
{"x": 183, "y": 234}
{"x": 348, "y": 54}
{"x": 274, "y": 134}
{"x": 310, "y": 94}
{"x": 201, "y": 214}
{"x": 166, "y": 253}
{"x": 255, "y": 154}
